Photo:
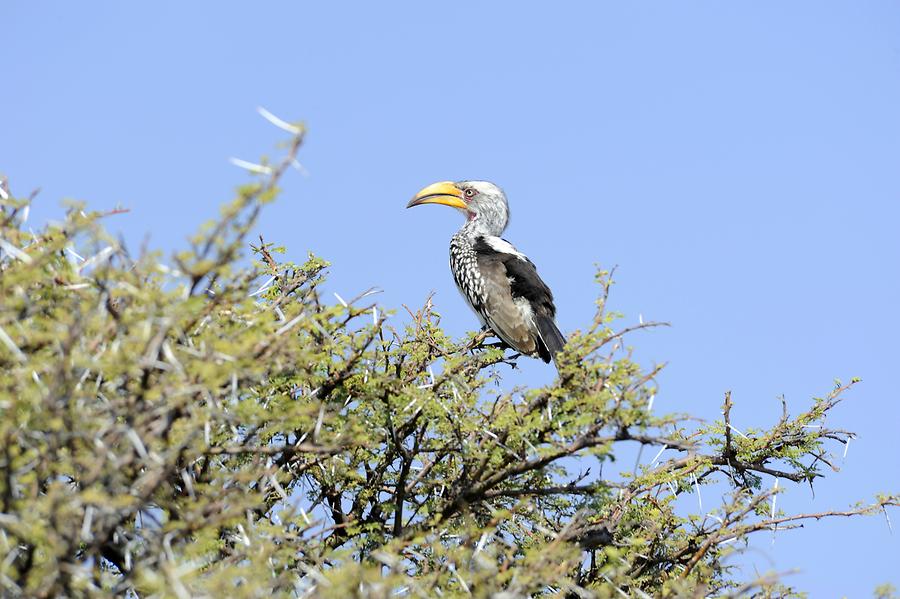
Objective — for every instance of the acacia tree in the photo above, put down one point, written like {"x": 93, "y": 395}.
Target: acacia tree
{"x": 215, "y": 428}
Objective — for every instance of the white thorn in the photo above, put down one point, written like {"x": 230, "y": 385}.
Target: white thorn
{"x": 14, "y": 251}
{"x": 280, "y": 123}
{"x": 462, "y": 582}
{"x": 318, "y": 427}
{"x": 10, "y": 344}
{"x": 296, "y": 164}
{"x": 481, "y": 543}
{"x": 772, "y": 513}
{"x": 137, "y": 443}
{"x": 86, "y": 523}
{"x": 37, "y": 379}
{"x": 188, "y": 484}
{"x": 340, "y": 299}
{"x": 287, "y": 327}
{"x": 244, "y": 538}
{"x": 250, "y": 166}
{"x": 738, "y": 432}
{"x": 699, "y": 496}
{"x": 774, "y": 496}
{"x": 264, "y": 286}
{"x": 74, "y": 253}
{"x": 97, "y": 258}
{"x": 610, "y": 582}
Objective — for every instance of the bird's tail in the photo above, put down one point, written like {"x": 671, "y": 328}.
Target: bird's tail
{"x": 550, "y": 335}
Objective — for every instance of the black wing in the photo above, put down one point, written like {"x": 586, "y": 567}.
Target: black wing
{"x": 512, "y": 277}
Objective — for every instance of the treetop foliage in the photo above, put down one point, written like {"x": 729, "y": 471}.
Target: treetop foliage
{"x": 205, "y": 426}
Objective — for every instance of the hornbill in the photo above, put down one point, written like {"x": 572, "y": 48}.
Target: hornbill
{"x": 498, "y": 281}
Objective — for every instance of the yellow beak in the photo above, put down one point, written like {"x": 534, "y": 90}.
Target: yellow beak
{"x": 445, "y": 193}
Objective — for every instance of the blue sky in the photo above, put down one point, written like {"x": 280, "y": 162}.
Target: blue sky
{"x": 737, "y": 160}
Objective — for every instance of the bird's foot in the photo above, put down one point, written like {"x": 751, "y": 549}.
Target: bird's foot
{"x": 510, "y": 360}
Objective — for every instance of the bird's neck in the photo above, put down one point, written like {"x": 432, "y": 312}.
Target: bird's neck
{"x": 477, "y": 226}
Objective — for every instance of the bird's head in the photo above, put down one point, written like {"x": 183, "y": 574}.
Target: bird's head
{"x": 483, "y": 203}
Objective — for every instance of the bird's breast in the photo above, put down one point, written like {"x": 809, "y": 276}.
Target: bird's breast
{"x": 466, "y": 274}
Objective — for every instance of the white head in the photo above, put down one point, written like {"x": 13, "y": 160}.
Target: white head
{"x": 483, "y": 203}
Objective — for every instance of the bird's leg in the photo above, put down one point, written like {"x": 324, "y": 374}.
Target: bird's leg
{"x": 478, "y": 340}
{"x": 510, "y": 360}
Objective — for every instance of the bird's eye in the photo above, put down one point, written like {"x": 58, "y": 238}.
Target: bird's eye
{"x": 469, "y": 193}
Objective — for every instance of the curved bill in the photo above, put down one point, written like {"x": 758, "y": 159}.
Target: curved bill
{"x": 445, "y": 193}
